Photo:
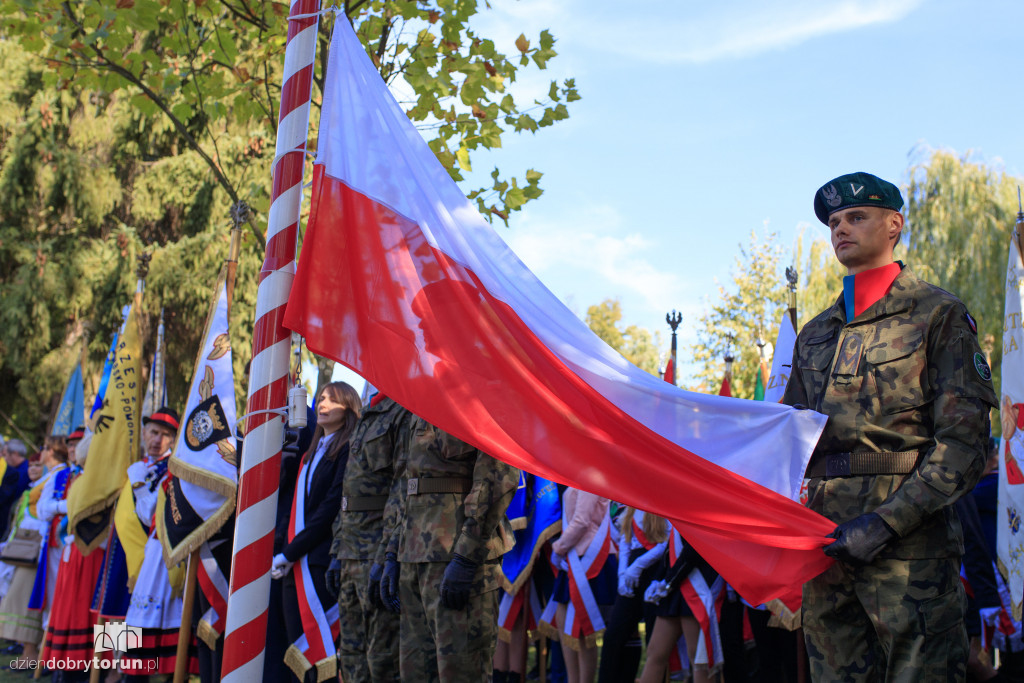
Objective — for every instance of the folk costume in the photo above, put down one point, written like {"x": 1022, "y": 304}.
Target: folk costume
{"x": 17, "y": 622}
{"x": 54, "y": 489}
{"x": 69, "y": 635}
{"x": 156, "y": 597}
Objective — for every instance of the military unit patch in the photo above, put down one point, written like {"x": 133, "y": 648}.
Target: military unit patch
{"x": 982, "y": 367}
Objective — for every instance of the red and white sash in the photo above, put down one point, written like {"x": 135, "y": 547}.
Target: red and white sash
{"x": 637, "y": 525}
{"x": 511, "y": 606}
{"x": 706, "y": 604}
{"x": 214, "y": 585}
{"x": 315, "y": 648}
{"x": 583, "y": 618}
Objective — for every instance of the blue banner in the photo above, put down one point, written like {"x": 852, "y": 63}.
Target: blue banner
{"x": 537, "y": 501}
{"x": 71, "y": 412}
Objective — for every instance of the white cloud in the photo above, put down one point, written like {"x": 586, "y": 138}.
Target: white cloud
{"x": 596, "y": 251}
{"x": 730, "y": 30}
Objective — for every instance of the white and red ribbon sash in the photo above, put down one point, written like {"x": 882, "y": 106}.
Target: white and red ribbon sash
{"x": 512, "y": 605}
{"x": 582, "y": 617}
{"x": 320, "y": 629}
{"x": 214, "y": 585}
{"x": 638, "y": 530}
{"x": 706, "y": 603}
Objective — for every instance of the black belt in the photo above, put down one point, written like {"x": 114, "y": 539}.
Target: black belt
{"x": 363, "y": 503}
{"x": 856, "y": 464}
{"x": 418, "y": 485}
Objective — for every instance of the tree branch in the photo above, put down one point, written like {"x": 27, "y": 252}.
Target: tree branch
{"x": 162, "y": 105}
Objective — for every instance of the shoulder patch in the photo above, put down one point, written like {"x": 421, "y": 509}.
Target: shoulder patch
{"x": 971, "y": 323}
{"x": 982, "y": 367}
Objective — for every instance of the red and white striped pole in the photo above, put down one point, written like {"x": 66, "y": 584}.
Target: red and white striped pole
{"x": 246, "y": 629}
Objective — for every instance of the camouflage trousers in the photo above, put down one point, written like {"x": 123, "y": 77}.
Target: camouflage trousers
{"x": 368, "y": 643}
{"x": 893, "y": 620}
{"x": 441, "y": 644}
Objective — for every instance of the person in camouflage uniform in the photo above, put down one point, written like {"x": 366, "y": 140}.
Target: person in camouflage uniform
{"x": 368, "y": 645}
{"x": 442, "y": 557}
{"x": 896, "y": 365}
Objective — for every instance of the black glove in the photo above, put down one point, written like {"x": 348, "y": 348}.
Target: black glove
{"x": 333, "y": 578}
{"x": 373, "y": 586}
{"x": 389, "y": 584}
{"x": 457, "y": 582}
{"x": 860, "y": 540}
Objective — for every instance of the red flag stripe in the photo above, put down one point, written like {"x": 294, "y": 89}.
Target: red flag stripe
{"x": 412, "y": 341}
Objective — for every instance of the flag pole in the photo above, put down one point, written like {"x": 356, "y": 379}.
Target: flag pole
{"x": 239, "y": 214}
{"x": 1018, "y": 228}
{"x": 792, "y": 277}
{"x": 185, "y": 632}
{"x": 249, "y": 593}
{"x": 674, "y": 319}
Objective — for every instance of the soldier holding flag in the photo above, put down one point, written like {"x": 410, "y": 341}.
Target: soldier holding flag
{"x": 896, "y": 365}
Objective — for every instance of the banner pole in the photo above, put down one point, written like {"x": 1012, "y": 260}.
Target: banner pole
{"x": 185, "y": 632}
{"x": 249, "y": 594}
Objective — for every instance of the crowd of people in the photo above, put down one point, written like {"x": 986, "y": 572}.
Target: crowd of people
{"x": 404, "y": 553}
{"x": 393, "y": 532}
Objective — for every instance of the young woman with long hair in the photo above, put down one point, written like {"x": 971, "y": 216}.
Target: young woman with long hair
{"x": 305, "y": 557}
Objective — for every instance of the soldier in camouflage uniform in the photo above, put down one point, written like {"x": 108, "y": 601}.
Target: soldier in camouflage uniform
{"x": 896, "y": 366}
{"x": 442, "y": 558}
{"x": 368, "y": 646}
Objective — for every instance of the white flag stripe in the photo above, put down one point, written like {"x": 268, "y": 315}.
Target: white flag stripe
{"x": 393, "y": 166}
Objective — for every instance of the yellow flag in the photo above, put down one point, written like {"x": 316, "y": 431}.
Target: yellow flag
{"x": 118, "y": 430}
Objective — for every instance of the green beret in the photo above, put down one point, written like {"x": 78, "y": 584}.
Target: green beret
{"x": 855, "y": 189}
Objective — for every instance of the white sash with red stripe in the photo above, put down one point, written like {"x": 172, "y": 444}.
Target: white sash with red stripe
{"x": 637, "y": 525}
{"x": 315, "y": 648}
{"x": 706, "y": 604}
{"x": 214, "y": 585}
{"x": 583, "y": 618}
{"x": 512, "y": 605}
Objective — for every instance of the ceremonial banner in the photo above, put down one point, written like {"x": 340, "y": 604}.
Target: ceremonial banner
{"x": 117, "y": 426}
{"x": 71, "y": 412}
{"x": 401, "y": 280}
{"x": 1010, "y": 535}
{"x": 536, "y": 515}
{"x": 201, "y": 497}
{"x": 762, "y": 380}
{"x": 782, "y": 360}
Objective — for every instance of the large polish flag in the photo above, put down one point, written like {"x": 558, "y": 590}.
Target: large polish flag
{"x": 401, "y": 280}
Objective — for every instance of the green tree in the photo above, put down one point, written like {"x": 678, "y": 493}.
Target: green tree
{"x": 820, "y": 275}
{"x": 960, "y": 214}
{"x": 750, "y": 307}
{"x": 135, "y": 124}
{"x": 635, "y": 343}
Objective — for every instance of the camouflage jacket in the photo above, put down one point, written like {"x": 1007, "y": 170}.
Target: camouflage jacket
{"x": 369, "y": 474}
{"x": 907, "y": 374}
{"x": 430, "y": 527}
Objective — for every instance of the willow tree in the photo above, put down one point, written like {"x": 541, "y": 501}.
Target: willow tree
{"x": 959, "y": 217}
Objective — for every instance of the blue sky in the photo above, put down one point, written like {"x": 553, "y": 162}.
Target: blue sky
{"x": 700, "y": 122}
